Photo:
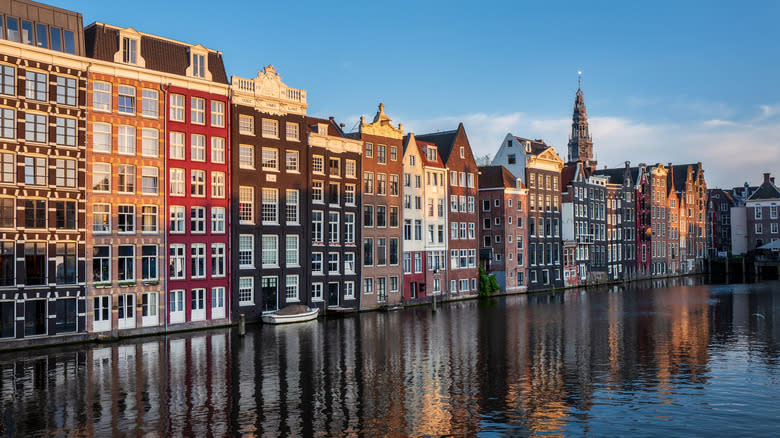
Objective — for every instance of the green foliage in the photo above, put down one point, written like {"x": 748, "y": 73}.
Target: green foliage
{"x": 487, "y": 283}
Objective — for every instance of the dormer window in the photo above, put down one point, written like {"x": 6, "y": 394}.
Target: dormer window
{"x": 129, "y": 51}
{"x": 198, "y": 65}
{"x": 431, "y": 153}
{"x": 322, "y": 128}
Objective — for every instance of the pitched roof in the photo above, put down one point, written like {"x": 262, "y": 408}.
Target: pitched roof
{"x": 496, "y": 176}
{"x": 333, "y": 128}
{"x": 537, "y": 146}
{"x": 567, "y": 175}
{"x": 444, "y": 141}
{"x": 425, "y": 161}
{"x": 618, "y": 175}
{"x": 766, "y": 190}
{"x": 678, "y": 175}
{"x": 167, "y": 56}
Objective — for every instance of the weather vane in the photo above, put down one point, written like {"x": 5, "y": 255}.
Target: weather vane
{"x": 579, "y": 78}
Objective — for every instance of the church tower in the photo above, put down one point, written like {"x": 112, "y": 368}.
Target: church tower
{"x": 580, "y": 142}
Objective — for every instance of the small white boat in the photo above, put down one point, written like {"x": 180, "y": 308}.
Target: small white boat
{"x": 290, "y": 314}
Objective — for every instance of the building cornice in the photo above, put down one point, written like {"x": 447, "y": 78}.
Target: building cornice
{"x": 267, "y": 93}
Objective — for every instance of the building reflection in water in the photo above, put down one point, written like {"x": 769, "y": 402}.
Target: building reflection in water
{"x": 525, "y": 365}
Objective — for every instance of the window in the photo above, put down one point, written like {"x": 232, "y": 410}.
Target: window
{"x": 317, "y": 192}
{"x": 368, "y": 286}
{"x": 349, "y": 290}
{"x": 246, "y": 205}
{"x": 368, "y": 183}
{"x": 381, "y": 154}
{"x": 349, "y": 263}
{"x": 198, "y": 110}
{"x": 66, "y": 91}
{"x": 149, "y": 304}
{"x": 291, "y": 161}
{"x": 333, "y": 193}
{"x": 34, "y": 213}
{"x": 125, "y": 100}
{"x": 318, "y": 164}
{"x": 129, "y": 52}
{"x": 316, "y": 291}
{"x": 349, "y": 194}
{"x": 217, "y": 184}
{"x": 198, "y": 220}
{"x": 381, "y": 251}
{"x": 7, "y": 77}
{"x": 381, "y": 216}
{"x": 126, "y": 218}
{"x": 292, "y": 131}
{"x": 349, "y": 228}
{"x": 36, "y": 86}
{"x": 217, "y": 150}
{"x": 393, "y": 251}
{"x": 270, "y": 128}
{"x": 756, "y": 212}
{"x": 176, "y": 102}
{"x": 246, "y": 125}
{"x": 126, "y": 140}
{"x": 381, "y": 184}
{"x": 246, "y": 156}
{"x": 7, "y": 212}
{"x": 217, "y": 219}
{"x": 246, "y": 251}
{"x": 316, "y": 262}
{"x": 65, "y": 215}
{"x": 101, "y": 264}
{"x": 150, "y": 141}
{"x": 333, "y": 228}
{"x": 35, "y": 129}
{"x": 176, "y": 224}
{"x": 350, "y": 168}
{"x": 65, "y": 172}
{"x": 7, "y": 121}
{"x": 316, "y": 226}
{"x": 270, "y": 159}
{"x": 126, "y": 258}
{"x": 198, "y": 260}
{"x": 198, "y": 183}
{"x": 217, "y": 259}
{"x": 197, "y": 147}
{"x": 291, "y": 257}
{"x": 177, "y": 146}
{"x": 394, "y": 184}
{"x": 65, "y": 263}
{"x": 291, "y": 288}
{"x": 270, "y": 250}
{"x": 368, "y": 251}
{"x": 291, "y": 206}
{"x": 217, "y": 113}
{"x": 101, "y": 96}
{"x": 149, "y": 103}
{"x": 149, "y": 180}
{"x": 126, "y": 178}
{"x": 148, "y": 218}
{"x": 333, "y": 263}
{"x": 246, "y": 291}
{"x": 270, "y": 206}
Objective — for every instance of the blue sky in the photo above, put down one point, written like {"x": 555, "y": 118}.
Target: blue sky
{"x": 663, "y": 81}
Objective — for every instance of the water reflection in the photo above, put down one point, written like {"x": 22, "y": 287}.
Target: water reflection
{"x": 651, "y": 359}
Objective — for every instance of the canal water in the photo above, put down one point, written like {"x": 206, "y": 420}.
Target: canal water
{"x": 663, "y": 359}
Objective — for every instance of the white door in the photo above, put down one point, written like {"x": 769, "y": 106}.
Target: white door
{"x": 198, "y": 305}
{"x": 126, "y": 311}
{"x": 149, "y": 309}
{"x": 102, "y": 314}
{"x": 217, "y": 303}
{"x": 176, "y": 306}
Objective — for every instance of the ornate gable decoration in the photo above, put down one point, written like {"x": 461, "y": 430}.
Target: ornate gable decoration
{"x": 269, "y": 94}
{"x": 382, "y": 126}
{"x": 547, "y": 159}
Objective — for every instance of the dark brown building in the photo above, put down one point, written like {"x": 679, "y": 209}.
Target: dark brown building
{"x": 269, "y": 185}
{"x": 333, "y": 239}
{"x": 42, "y": 184}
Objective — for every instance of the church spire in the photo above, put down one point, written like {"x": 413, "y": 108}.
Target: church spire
{"x": 580, "y": 142}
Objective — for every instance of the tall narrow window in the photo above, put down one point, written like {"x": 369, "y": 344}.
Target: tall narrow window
{"x": 125, "y": 100}
{"x": 101, "y": 96}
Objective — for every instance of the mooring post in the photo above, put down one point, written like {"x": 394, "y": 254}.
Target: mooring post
{"x": 433, "y": 303}
{"x": 241, "y": 325}
{"x": 744, "y": 269}
{"x": 727, "y": 269}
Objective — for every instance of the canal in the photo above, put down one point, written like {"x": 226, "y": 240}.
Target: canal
{"x": 669, "y": 358}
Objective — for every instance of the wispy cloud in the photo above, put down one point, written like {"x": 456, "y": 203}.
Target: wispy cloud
{"x": 731, "y": 152}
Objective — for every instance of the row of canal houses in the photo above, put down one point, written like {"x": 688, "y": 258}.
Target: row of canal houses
{"x": 143, "y": 190}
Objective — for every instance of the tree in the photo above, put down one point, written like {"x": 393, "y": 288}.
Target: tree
{"x": 483, "y": 160}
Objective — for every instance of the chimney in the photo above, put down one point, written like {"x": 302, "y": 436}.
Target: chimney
{"x": 771, "y": 178}
{"x": 766, "y": 177}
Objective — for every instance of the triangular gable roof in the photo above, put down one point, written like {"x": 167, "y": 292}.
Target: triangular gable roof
{"x": 766, "y": 190}
{"x": 537, "y": 146}
{"x": 567, "y": 175}
{"x": 444, "y": 141}
{"x": 496, "y": 176}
